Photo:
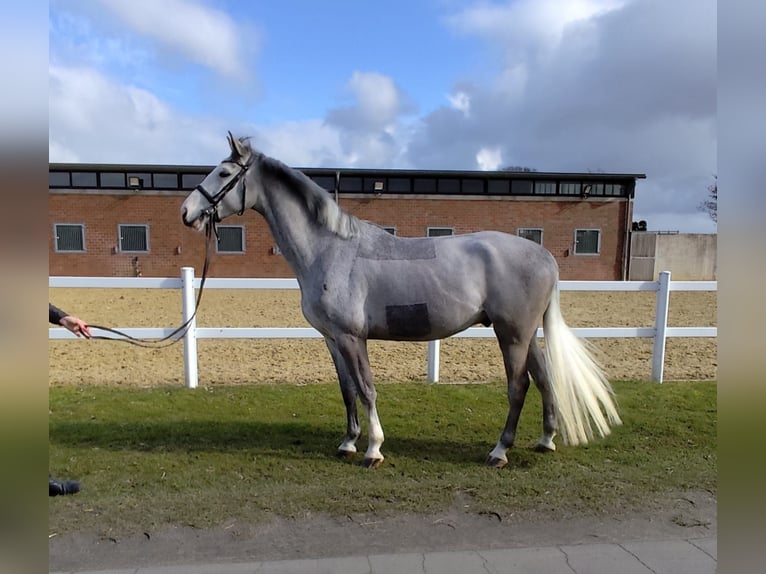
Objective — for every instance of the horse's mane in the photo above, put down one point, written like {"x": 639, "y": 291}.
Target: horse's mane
{"x": 318, "y": 202}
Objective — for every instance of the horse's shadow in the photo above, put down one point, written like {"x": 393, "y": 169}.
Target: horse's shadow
{"x": 291, "y": 439}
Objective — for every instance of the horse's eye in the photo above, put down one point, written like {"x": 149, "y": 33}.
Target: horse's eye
{"x": 224, "y": 173}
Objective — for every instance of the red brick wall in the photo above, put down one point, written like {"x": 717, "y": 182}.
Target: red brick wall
{"x": 172, "y": 246}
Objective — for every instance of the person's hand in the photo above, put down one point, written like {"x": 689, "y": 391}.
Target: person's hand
{"x": 77, "y": 326}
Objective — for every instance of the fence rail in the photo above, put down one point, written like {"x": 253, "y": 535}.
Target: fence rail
{"x": 188, "y": 284}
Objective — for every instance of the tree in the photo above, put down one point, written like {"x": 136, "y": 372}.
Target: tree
{"x": 710, "y": 205}
{"x": 519, "y": 168}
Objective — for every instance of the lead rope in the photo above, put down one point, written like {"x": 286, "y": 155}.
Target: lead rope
{"x": 178, "y": 333}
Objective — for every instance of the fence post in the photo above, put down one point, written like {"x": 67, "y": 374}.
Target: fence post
{"x": 660, "y": 326}
{"x": 190, "y": 338}
{"x": 433, "y": 361}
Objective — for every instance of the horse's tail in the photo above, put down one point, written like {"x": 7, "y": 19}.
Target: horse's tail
{"x": 582, "y": 394}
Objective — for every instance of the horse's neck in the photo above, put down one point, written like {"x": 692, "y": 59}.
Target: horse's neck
{"x": 293, "y": 229}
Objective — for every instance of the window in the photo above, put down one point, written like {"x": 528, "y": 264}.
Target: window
{"x": 58, "y": 179}
{"x": 570, "y": 188}
{"x": 326, "y": 182}
{"x": 587, "y": 241}
{"x": 350, "y": 184}
{"x": 440, "y": 231}
{"x": 424, "y": 185}
{"x": 531, "y": 233}
{"x": 143, "y": 180}
{"x": 166, "y": 180}
{"x": 69, "y": 237}
{"x": 399, "y": 184}
{"x": 111, "y": 179}
{"x": 473, "y": 186}
{"x": 545, "y": 188}
{"x": 614, "y": 189}
{"x": 231, "y": 239}
{"x": 391, "y": 230}
{"x": 192, "y": 180}
{"x": 449, "y": 185}
{"x": 498, "y": 186}
{"x": 521, "y": 187}
{"x": 84, "y": 179}
{"x": 133, "y": 237}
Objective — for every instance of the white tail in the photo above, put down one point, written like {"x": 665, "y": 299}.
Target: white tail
{"x": 582, "y": 394}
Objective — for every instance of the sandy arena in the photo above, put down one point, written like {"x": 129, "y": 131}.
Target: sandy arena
{"x": 305, "y": 361}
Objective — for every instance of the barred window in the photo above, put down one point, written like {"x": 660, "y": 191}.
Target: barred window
{"x": 587, "y": 241}
{"x": 231, "y": 239}
{"x": 70, "y": 237}
{"x": 531, "y": 233}
{"x": 440, "y": 231}
{"x": 570, "y": 188}
{"x": 134, "y": 237}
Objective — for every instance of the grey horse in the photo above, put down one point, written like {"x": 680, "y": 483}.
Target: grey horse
{"x": 359, "y": 282}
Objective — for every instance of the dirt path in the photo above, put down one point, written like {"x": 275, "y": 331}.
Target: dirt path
{"x": 307, "y": 361}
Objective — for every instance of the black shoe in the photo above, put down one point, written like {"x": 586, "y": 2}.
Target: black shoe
{"x": 56, "y": 487}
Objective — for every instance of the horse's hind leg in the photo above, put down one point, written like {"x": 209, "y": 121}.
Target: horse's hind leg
{"x": 538, "y": 368}
{"x": 347, "y": 448}
{"x": 353, "y": 351}
{"x": 515, "y": 359}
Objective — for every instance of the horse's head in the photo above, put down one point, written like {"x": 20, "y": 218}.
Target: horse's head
{"x": 224, "y": 191}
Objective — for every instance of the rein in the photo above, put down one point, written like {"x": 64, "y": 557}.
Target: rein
{"x": 178, "y": 333}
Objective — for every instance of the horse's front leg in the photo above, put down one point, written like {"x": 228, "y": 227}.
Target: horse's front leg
{"x": 353, "y": 351}
{"x": 347, "y": 448}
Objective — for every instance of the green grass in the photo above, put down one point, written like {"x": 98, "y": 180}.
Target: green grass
{"x": 204, "y": 457}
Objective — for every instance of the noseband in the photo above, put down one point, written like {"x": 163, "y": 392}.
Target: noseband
{"x": 212, "y": 210}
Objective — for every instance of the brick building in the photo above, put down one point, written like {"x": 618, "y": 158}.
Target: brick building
{"x": 124, "y": 220}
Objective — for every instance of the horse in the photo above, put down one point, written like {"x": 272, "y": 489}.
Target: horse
{"x": 359, "y": 282}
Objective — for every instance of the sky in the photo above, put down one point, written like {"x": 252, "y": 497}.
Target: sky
{"x": 615, "y": 86}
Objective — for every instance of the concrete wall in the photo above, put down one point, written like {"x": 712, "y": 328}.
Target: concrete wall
{"x": 688, "y": 256}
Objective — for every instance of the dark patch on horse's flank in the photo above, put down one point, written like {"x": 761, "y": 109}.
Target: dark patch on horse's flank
{"x": 391, "y": 248}
{"x": 408, "y": 320}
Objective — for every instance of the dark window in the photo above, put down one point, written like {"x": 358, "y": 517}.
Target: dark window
{"x": 111, "y": 179}
{"x": 70, "y": 237}
{"x": 424, "y": 185}
{"x": 473, "y": 186}
{"x": 399, "y": 184}
{"x": 166, "y": 180}
{"x": 440, "y": 231}
{"x": 532, "y": 234}
{"x": 449, "y": 186}
{"x": 84, "y": 179}
{"x": 139, "y": 180}
{"x": 325, "y": 181}
{"x": 58, "y": 179}
{"x": 521, "y": 187}
{"x": 231, "y": 239}
{"x": 545, "y": 188}
{"x": 192, "y": 180}
{"x": 391, "y": 230}
{"x": 587, "y": 241}
{"x": 350, "y": 184}
{"x": 570, "y": 188}
{"x": 498, "y": 186}
{"x": 134, "y": 237}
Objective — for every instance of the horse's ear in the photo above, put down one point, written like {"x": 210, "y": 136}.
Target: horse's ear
{"x": 236, "y": 146}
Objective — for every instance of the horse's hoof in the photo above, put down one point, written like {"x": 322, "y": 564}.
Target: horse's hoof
{"x": 345, "y": 454}
{"x": 372, "y": 462}
{"x": 495, "y": 462}
{"x": 544, "y": 446}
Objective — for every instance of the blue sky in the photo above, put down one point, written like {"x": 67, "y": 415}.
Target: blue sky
{"x": 557, "y": 85}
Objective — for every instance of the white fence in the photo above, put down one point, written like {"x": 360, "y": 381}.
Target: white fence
{"x": 188, "y": 285}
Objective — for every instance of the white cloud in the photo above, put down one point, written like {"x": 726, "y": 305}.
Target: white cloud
{"x": 460, "y": 101}
{"x": 205, "y": 35}
{"x": 489, "y": 159}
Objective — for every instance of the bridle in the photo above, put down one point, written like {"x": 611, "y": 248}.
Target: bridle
{"x": 210, "y": 229}
{"x": 212, "y": 210}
